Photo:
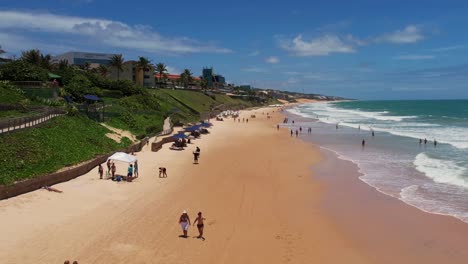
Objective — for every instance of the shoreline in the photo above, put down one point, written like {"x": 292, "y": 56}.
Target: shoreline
{"x": 267, "y": 197}
{"x": 379, "y": 222}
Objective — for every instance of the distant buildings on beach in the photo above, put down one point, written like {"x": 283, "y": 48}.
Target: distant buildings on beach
{"x": 149, "y": 77}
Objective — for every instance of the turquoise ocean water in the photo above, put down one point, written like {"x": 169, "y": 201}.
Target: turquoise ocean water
{"x": 433, "y": 178}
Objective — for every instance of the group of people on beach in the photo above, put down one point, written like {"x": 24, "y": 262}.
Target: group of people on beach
{"x": 132, "y": 171}
{"x": 184, "y": 222}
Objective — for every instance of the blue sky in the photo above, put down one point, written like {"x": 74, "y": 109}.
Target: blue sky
{"x": 358, "y": 49}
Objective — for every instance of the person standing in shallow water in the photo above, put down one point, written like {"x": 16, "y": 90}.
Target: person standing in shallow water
{"x": 425, "y": 141}
{"x": 435, "y": 143}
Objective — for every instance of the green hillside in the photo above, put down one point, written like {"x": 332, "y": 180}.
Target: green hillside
{"x": 64, "y": 141}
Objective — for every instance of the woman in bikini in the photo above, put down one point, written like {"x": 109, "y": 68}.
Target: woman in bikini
{"x": 184, "y": 222}
{"x": 200, "y": 225}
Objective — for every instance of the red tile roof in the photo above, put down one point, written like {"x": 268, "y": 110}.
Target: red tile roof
{"x": 173, "y": 76}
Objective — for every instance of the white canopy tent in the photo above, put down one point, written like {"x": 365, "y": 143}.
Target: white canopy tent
{"x": 122, "y": 156}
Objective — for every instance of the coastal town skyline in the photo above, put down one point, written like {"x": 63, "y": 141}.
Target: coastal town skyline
{"x": 359, "y": 50}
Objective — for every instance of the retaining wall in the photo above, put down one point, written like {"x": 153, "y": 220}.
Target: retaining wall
{"x": 30, "y": 185}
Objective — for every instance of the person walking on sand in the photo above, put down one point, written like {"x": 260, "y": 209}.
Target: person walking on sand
{"x": 200, "y": 225}
{"x": 113, "y": 169}
{"x": 184, "y": 221}
{"x": 300, "y": 129}
{"x": 277, "y": 127}
{"x": 297, "y": 133}
{"x": 363, "y": 143}
{"x": 195, "y": 157}
{"x": 291, "y": 132}
{"x": 100, "y": 171}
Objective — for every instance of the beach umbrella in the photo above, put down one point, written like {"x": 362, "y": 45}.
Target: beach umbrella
{"x": 122, "y": 156}
{"x": 179, "y": 136}
{"x": 192, "y": 128}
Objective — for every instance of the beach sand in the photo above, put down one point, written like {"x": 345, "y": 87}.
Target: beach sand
{"x": 254, "y": 185}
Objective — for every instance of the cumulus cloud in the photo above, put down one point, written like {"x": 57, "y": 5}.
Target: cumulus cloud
{"x": 272, "y": 60}
{"x": 254, "y": 53}
{"x": 108, "y": 32}
{"x": 414, "y": 57}
{"x": 320, "y": 46}
{"x": 410, "y": 34}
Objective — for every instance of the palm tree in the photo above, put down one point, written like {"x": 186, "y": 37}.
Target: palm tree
{"x": 186, "y": 78}
{"x": 45, "y": 61}
{"x": 103, "y": 70}
{"x": 35, "y": 57}
{"x": 162, "y": 70}
{"x": 117, "y": 62}
{"x": 143, "y": 65}
{"x": 32, "y": 56}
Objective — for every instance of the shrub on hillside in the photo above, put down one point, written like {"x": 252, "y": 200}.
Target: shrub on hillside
{"x": 79, "y": 85}
{"x": 22, "y": 71}
{"x": 127, "y": 87}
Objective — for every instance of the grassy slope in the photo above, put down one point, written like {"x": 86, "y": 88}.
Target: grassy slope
{"x": 9, "y": 97}
{"x": 195, "y": 100}
{"x": 64, "y": 141}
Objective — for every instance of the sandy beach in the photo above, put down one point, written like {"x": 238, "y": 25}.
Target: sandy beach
{"x": 264, "y": 197}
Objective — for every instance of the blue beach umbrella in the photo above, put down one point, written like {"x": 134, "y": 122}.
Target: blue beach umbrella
{"x": 192, "y": 128}
{"x": 179, "y": 136}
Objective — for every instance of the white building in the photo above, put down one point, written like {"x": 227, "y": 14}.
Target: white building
{"x": 80, "y": 58}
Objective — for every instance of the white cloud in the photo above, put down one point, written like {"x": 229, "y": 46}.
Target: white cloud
{"x": 255, "y": 69}
{"x": 414, "y": 57}
{"x": 108, "y": 32}
{"x": 321, "y": 46}
{"x": 254, "y": 53}
{"x": 410, "y": 34}
{"x": 272, "y": 60}
{"x": 173, "y": 70}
